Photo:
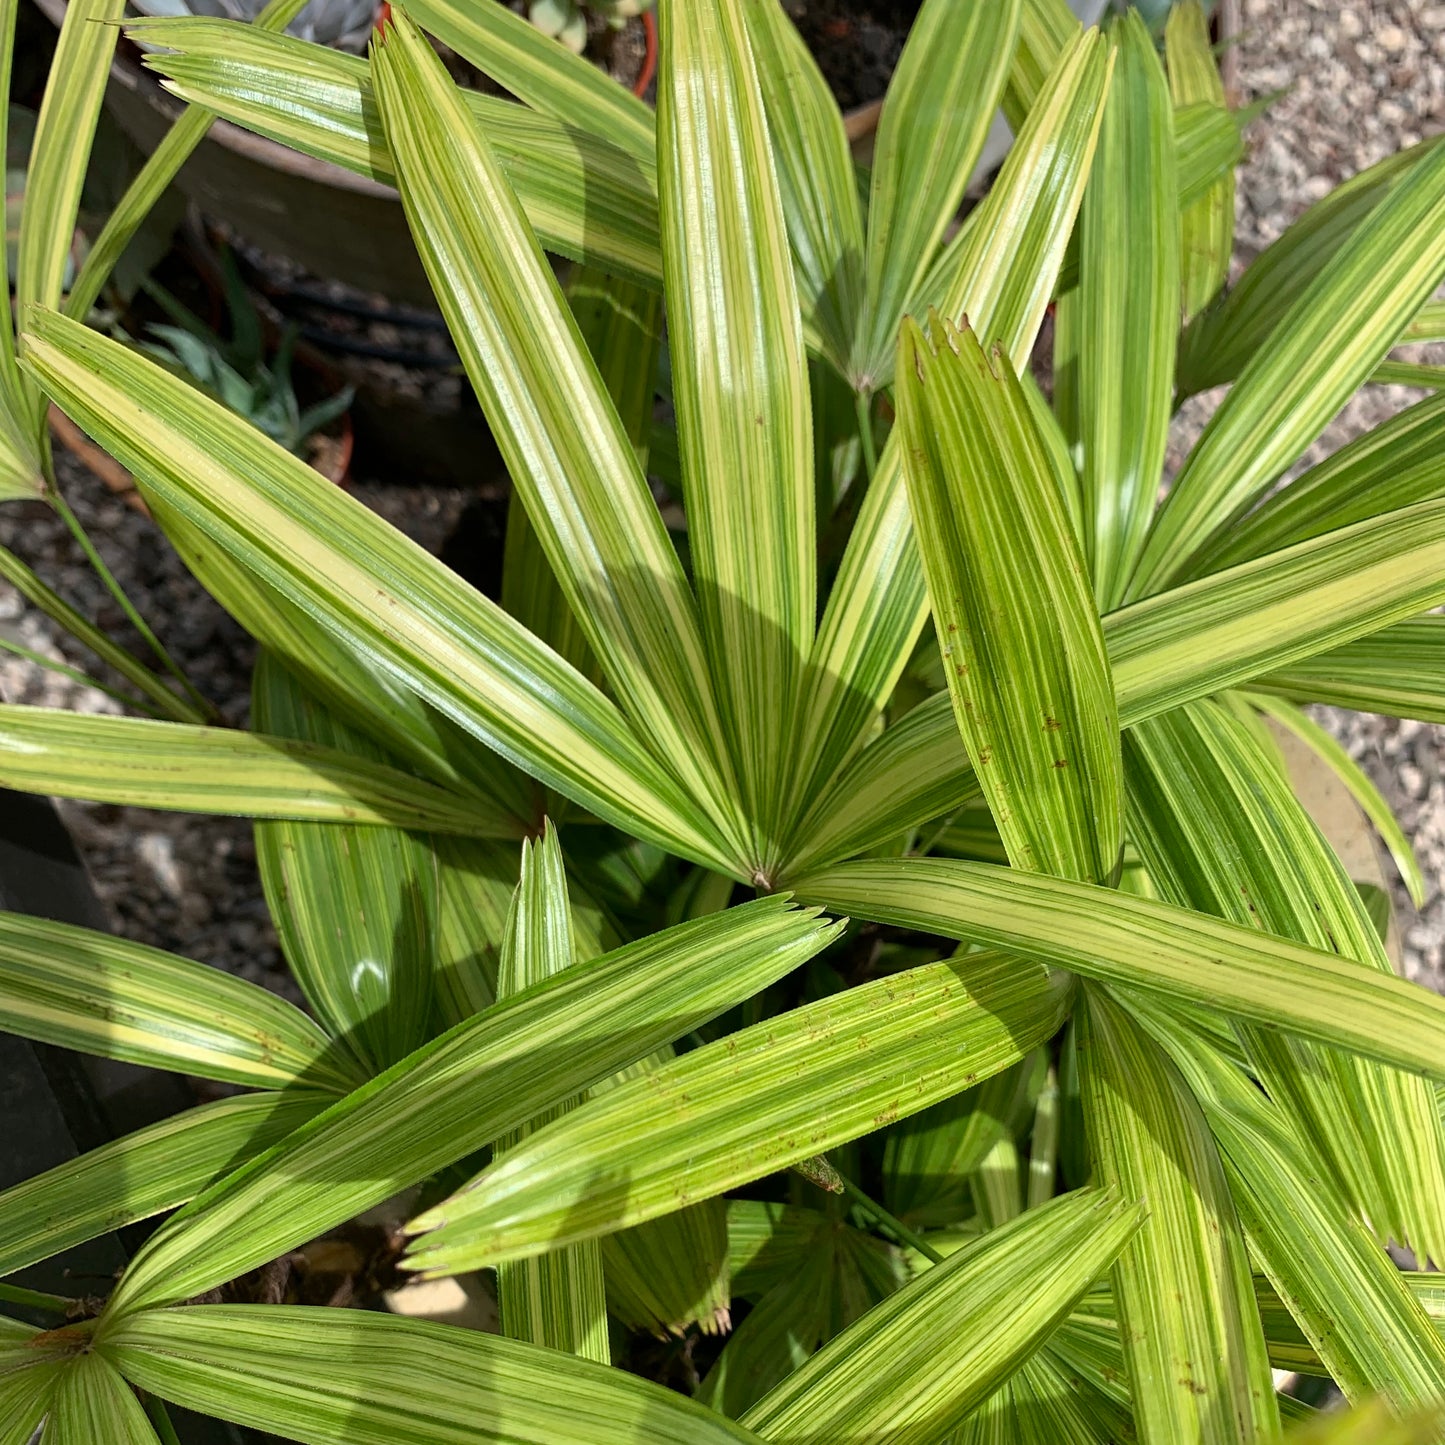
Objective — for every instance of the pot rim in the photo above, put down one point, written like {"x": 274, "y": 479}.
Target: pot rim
{"x": 126, "y": 72}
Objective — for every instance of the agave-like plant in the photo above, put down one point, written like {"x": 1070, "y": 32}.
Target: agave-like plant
{"x": 1167, "y": 995}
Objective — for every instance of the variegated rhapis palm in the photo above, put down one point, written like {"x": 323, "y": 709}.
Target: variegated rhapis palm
{"x": 1169, "y": 994}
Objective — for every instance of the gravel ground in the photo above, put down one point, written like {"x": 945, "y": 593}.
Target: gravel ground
{"x": 1362, "y": 79}
{"x": 174, "y": 880}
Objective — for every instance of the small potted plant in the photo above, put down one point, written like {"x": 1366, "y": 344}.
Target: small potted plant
{"x": 251, "y": 378}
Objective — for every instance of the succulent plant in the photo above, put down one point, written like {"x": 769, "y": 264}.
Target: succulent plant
{"x": 341, "y": 24}
{"x": 239, "y": 373}
{"x": 566, "y": 20}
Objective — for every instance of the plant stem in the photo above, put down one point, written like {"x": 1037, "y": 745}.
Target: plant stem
{"x": 76, "y": 675}
{"x": 157, "y": 173}
{"x": 1229, "y": 50}
{"x": 882, "y": 1219}
{"x": 863, "y": 405}
{"x": 160, "y": 1418}
{"x": 55, "y": 607}
{"x": 126, "y": 605}
{"x": 1044, "y": 1147}
{"x": 56, "y": 1304}
{"x": 922, "y": 848}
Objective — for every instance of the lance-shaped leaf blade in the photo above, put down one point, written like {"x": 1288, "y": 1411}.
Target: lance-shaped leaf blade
{"x": 21, "y": 475}
{"x": 1208, "y": 145}
{"x": 1191, "y": 1334}
{"x": 151, "y": 181}
{"x": 563, "y": 442}
{"x": 1408, "y": 373}
{"x": 540, "y": 72}
{"x": 189, "y": 768}
{"x": 1399, "y": 670}
{"x": 1127, "y": 310}
{"x": 1221, "y": 342}
{"x": 1144, "y": 943}
{"x": 1206, "y": 239}
{"x": 558, "y": 1299}
{"x": 1220, "y": 830}
{"x": 1393, "y": 465}
{"x": 1002, "y": 270}
{"x": 816, "y": 179}
{"x": 352, "y": 906}
{"x": 621, "y": 325}
{"x": 350, "y": 1377}
{"x": 940, "y": 104}
{"x": 1270, "y": 613}
{"x": 1356, "y": 1309}
{"x": 1002, "y": 282}
{"x": 60, "y": 153}
{"x": 1045, "y": 28}
{"x": 747, "y": 1105}
{"x": 467, "y": 1088}
{"x": 363, "y": 581}
{"x": 584, "y": 195}
{"x": 143, "y": 1174}
{"x": 1323, "y": 348}
{"x": 740, "y": 387}
{"x": 914, "y": 1366}
{"x": 351, "y": 683}
{"x": 102, "y": 995}
{"x": 1022, "y": 648}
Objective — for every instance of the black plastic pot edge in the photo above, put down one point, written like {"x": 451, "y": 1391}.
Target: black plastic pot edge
{"x": 56, "y": 1104}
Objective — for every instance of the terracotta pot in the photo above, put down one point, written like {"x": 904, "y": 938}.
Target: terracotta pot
{"x": 317, "y": 214}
